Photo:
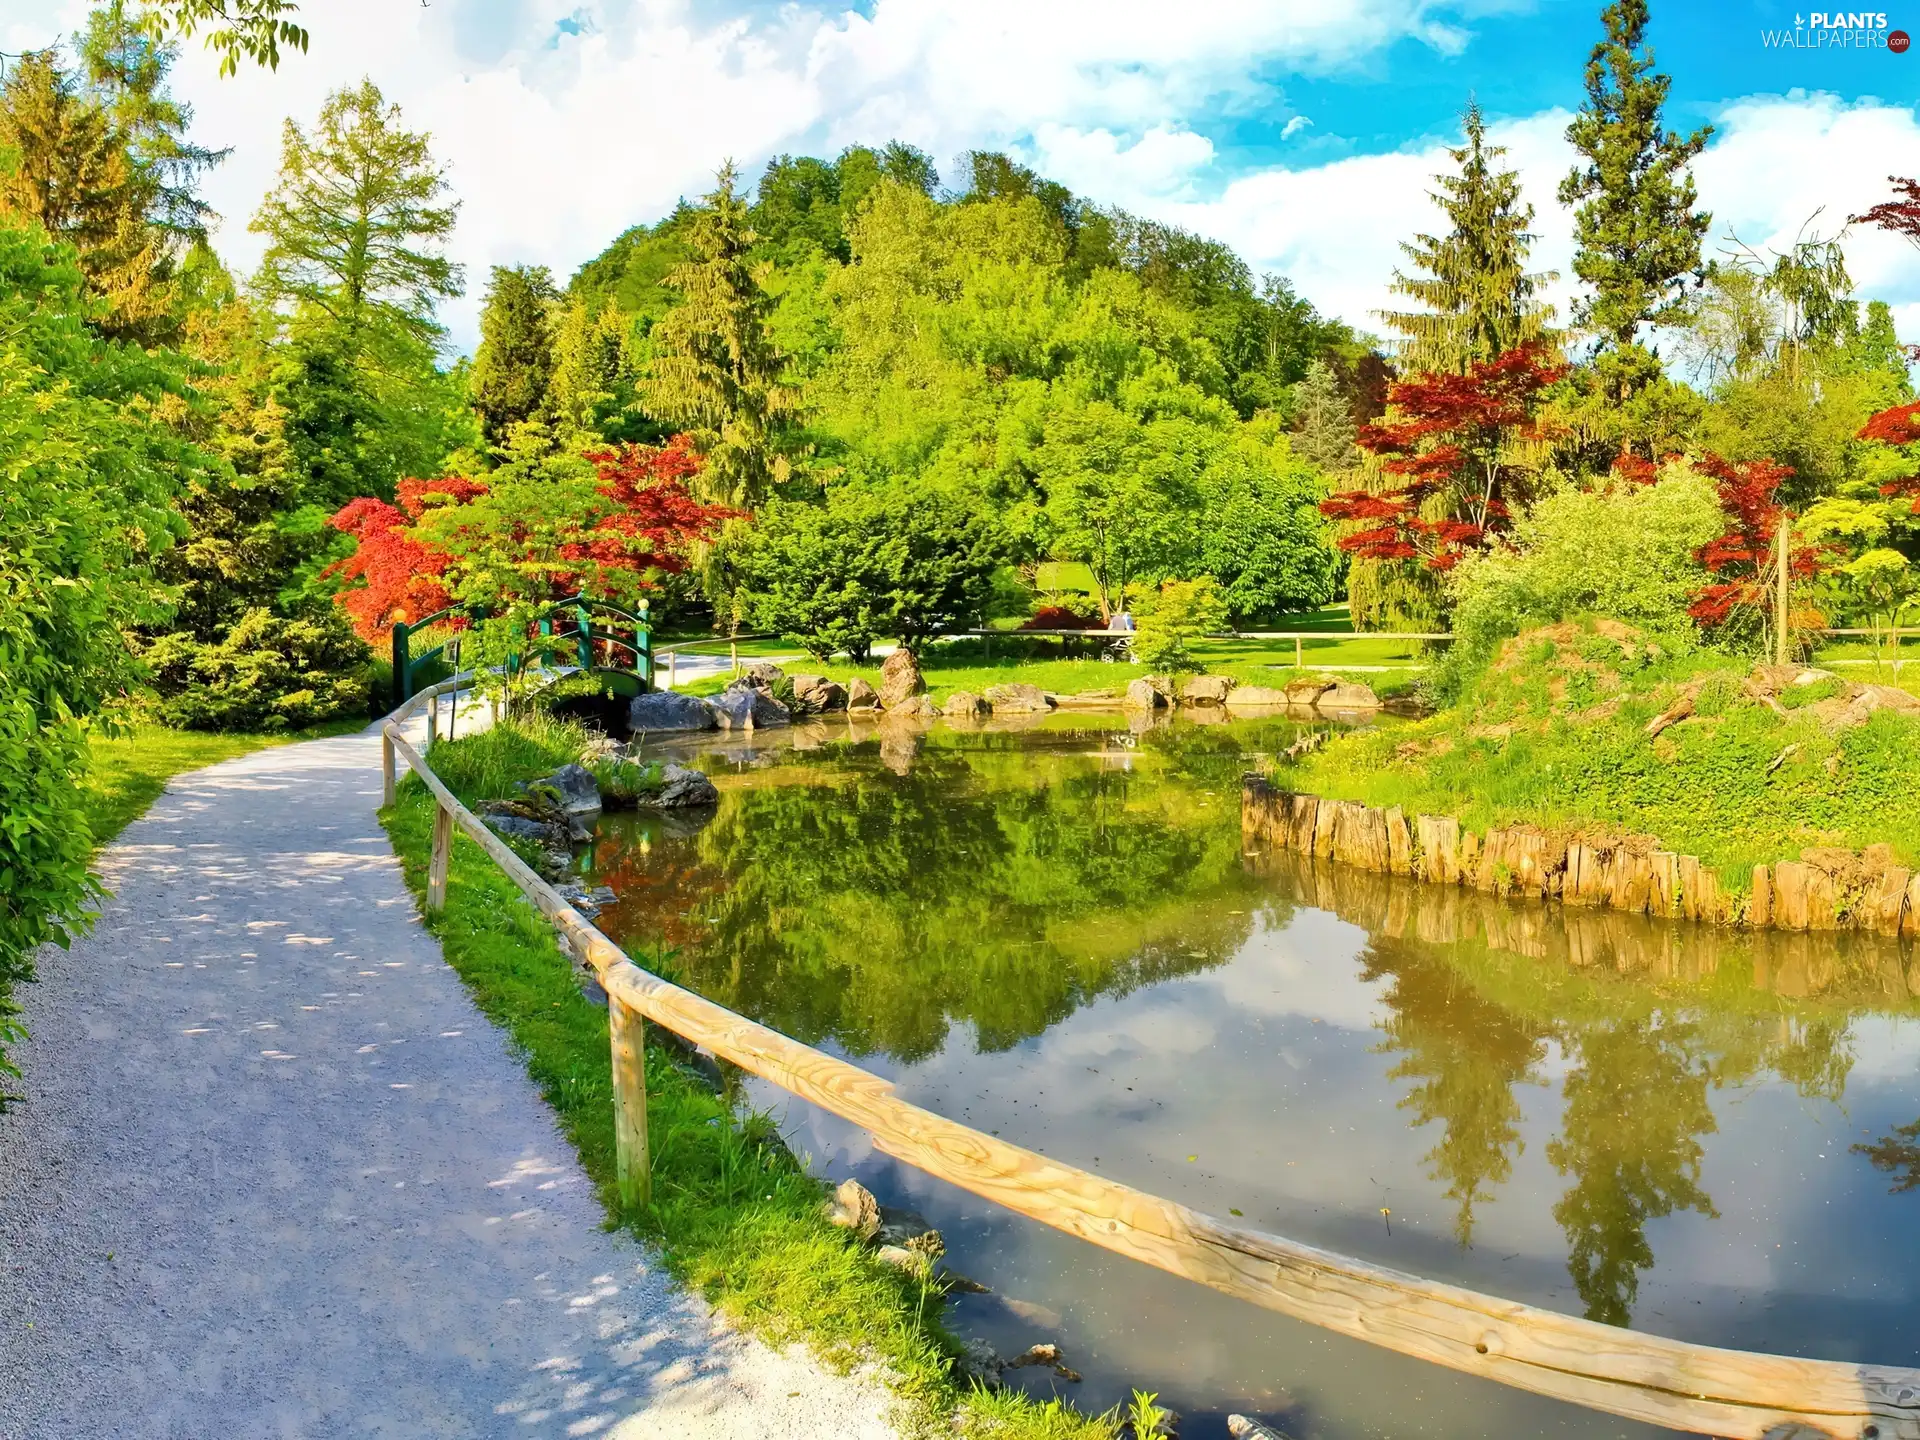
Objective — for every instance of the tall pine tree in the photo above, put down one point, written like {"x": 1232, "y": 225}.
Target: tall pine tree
{"x": 716, "y": 373}
{"x": 514, "y": 365}
{"x": 1325, "y": 421}
{"x": 1480, "y": 300}
{"x": 1636, "y": 227}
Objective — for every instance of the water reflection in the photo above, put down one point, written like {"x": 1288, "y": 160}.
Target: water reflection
{"x": 1055, "y": 934}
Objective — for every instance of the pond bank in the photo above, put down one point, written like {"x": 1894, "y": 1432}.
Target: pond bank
{"x": 1827, "y": 889}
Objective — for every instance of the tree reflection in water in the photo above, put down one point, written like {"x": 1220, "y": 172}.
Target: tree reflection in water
{"x": 1003, "y": 881}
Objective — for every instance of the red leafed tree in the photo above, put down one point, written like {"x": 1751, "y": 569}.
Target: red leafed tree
{"x": 653, "y": 520}
{"x": 1896, "y": 429}
{"x": 1901, "y": 214}
{"x": 391, "y": 575}
{"x": 1449, "y": 440}
{"x": 1745, "y": 561}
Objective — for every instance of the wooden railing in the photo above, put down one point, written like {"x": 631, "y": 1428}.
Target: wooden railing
{"x": 1651, "y": 1378}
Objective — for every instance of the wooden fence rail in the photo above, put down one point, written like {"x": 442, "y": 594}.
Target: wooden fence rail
{"x": 1699, "y": 1388}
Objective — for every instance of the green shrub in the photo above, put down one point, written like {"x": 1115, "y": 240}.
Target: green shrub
{"x": 1180, "y": 613}
{"x": 268, "y": 672}
{"x": 1625, "y": 552}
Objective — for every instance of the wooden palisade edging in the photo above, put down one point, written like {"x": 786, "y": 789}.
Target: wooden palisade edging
{"x": 1644, "y": 1377}
{"x": 1631, "y": 874}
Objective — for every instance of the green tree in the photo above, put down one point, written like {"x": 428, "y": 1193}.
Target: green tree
{"x": 514, "y": 366}
{"x": 716, "y": 373}
{"x": 906, "y": 561}
{"x": 1637, "y": 232}
{"x": 1173, "y": 617}
{"x": 357, "y": 221}
{"x": 1324, "y": 421}
{"x": 254, "y": 29}
{"x": 1479, "y": 299}
{"x": 1262, "y": 535}
{"x": 85, "y": 507}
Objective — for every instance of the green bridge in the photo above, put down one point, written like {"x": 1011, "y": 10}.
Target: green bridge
{"x": 595, "y": 637}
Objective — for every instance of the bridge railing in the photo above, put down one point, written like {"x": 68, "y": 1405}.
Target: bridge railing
{"x": 1651, "y": 1378}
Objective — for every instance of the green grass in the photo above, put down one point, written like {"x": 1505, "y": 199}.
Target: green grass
{"x": 972, "y": 665}
{"x": 127, "y": 772}
{"x": 1553, "y": 740}
{"x": 734, "y": 1214}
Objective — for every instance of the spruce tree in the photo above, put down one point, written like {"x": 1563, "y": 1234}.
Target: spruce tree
{"x": 1325, "y": 421}
{"x": 716, "y": 372}
{"x": 1480, "y": 299}
{"x": 1636, "y": 227}
{"x": 514, "y": 365}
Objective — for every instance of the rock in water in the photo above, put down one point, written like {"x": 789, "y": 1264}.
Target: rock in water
{"x": 1144, "y": 695}
{"x": 680, "y": 789}
{"x": 900, "y": 678}
{"x": 1255, "y": 697}
{"x": 964, "y": 704}
{"x": 1305, "y": 692}
{"x": 914, "y": 707}
{"x": 1017, "y": 699}
{"x": 662, "y": 710}
{"x": 1348, "y": 695}
{"x": 764, "y": 674}
{"x": 826, "y": 697}
{"x": 1206, "y": 690}
{"x": 519, "y": 827}
{"x": 744, "y": 706}
{"x": 861, "y": 695}
{"x": 575, "y": 788}
{"x": 854, "y": 1208}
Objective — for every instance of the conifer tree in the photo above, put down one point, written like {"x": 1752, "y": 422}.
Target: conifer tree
{"x": 357, "y": 221}
{"x": 1636, "y": 227}
{"x": 716, "y": 373}
{"x": 1326, "y": 429}
{"x": 1479, "y": 298}
{"x": 514, "y": 365}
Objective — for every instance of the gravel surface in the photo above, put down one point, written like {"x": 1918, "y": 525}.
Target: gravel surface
{"x": 275, "y": 1176}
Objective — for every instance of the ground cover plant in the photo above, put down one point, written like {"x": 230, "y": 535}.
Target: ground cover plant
{"x": 734, "y": 1214}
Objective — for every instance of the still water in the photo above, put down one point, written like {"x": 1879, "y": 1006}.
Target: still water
{"x": 1054, "y": 934}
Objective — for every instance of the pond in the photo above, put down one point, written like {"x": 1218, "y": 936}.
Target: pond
{"x": 1055, "y": 935}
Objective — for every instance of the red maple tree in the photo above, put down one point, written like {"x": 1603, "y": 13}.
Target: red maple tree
{"x": 398, "y": 577}
{"x": 1448, "y": 438}
{"x": 637, "y": 521}
{"x": 1900, "y": 215}
{"x": 1897, "y": 427}
{"x": 1741, "y": 558}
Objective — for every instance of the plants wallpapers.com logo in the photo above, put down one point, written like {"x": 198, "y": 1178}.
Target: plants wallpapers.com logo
{"x": 1839, "y": 30}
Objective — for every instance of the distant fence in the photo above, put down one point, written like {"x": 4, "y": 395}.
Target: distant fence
{"x": 1650, "y": 1378}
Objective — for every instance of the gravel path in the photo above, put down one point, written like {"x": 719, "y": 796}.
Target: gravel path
{"x": 277, "y": 1177}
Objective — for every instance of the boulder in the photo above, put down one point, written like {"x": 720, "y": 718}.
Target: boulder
{"x": 964, "y": 704}
{"x": 1347, "y": 695}
{"x": 854, "y": 1208}
{"x": 1017, "y": 699}
{"x": 1255, "y": 697}
{"x": 1206, "y": 690}
{"x": 680, "y": 789}
{"x": 1305, "y": 692}
{"x": 819, "y": 694}
{"x": 914, "y": 707}
{"x": 900, "y": 678}
{"x": 571, "y": 789}
{"x": 519, "y": 827}
{"x": 1143, "y": 695}
{"x": 861, "y": 695}
{"x": 662, "y": 710}
{"x": 764, "y": 674}
{"x": 745, "y": 706}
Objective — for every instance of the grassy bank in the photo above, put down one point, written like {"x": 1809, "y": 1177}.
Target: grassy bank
{"x": 1555, "y": 734}
{"x": 734, "y": 1215}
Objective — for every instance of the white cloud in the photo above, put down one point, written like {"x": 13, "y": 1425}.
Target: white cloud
{"x": 1294, "y": 126}
{"x": 562, "y": 125}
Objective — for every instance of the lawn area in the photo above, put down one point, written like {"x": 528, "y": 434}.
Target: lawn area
{"x": 1555, "y": 735}
{"x": 127, "y": 772}
{"x": 734, "y": 1214}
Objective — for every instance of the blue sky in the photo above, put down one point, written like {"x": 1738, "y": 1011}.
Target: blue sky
{"x": 1303, "y": 132}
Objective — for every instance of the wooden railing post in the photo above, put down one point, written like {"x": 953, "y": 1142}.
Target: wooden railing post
{"x": 433, "y": 722}
{"x": 388, "y": 779}
{"x": 673, "y": 668}
{"x": 629, "y": 1102}
{"x": 1299, "y": 659}
{"x": 733, "y": 655}
{"x": 442, "y": 854}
